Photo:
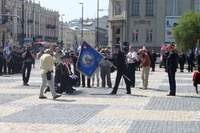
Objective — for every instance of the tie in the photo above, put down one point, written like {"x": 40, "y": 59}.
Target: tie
{"x": 69, "y": 66}
{"x": 68, "y": 69}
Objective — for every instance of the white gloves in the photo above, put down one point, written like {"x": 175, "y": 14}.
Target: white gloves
{"x": 73, "y": 76}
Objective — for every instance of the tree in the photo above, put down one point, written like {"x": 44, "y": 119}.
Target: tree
{"x": 187, "y": 32}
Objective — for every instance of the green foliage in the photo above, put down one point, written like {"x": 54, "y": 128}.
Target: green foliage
{"x": 187, "y": 32}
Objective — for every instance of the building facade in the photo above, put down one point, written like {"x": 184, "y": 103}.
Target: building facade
{"x": 70, "y": 32}
{"x": 140, "y": 22}
{"x": 40, "y": 24}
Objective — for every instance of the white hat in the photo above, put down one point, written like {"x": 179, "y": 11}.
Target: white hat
{"x": 47, "y": 51}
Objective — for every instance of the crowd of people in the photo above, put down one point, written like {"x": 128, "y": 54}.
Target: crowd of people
{"x": 125, "y": 63}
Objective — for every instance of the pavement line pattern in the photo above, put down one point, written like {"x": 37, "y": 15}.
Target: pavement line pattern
{"x": 92, "y": 110}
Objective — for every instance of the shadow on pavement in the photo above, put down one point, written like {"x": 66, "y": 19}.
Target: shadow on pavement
{"x": 189, "y": 96}
{"x": 120, "y": 95}
{"x": 64, "y": 100}
{"x": 153, "y": 89}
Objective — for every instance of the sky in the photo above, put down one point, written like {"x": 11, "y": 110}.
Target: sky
{"x": 73, "y": 10}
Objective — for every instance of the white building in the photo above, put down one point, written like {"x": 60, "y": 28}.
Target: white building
{"x": 144, "y": 21}
{"x": 39, "y": 23}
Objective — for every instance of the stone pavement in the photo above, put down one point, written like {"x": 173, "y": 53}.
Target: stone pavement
{"x": 92, "y": 110}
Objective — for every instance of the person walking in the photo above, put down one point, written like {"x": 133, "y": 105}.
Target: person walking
{"x": 145, "y": 65}
{"x": 131, "y": 61}
{"x": 46, "y": 69}
{"x": 121, "y": 70}
{"x": 171, "y": 68}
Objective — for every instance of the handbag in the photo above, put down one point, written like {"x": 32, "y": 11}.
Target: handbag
{"x": 49, "y": 75}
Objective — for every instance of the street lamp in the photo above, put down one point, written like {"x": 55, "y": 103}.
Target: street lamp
{"x": 97, "y": 43}
{"x": 62, "y": 30}
{"x": 82, "y": 21}
{"x": 97, "y": 34}
{"x": 22, "y": 22}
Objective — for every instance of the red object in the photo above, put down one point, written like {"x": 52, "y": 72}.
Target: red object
{"x": 196, "y": 78}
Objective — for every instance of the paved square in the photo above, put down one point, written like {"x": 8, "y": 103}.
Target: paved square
{"x": 92, "y": 110}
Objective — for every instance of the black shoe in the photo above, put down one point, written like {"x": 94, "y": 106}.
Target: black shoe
{"x": 43, "y": 97}
{"x": 171, "y": 95}
{"x": 83, "y": 85}
{"x": 25, "y": 84}
{"x": 89, "y": 87}
{"x": 57, "y": 96}
{"x": 73, "y": 89}
{"x": 47, "y": 90}
{"x": 128, "y": 92}
{"x": 69, "y": 92}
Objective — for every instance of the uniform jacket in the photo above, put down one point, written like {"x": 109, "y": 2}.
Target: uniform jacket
{"x": 172, "y": 62}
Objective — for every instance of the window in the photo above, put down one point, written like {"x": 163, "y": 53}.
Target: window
{"x": 149, "y": 35}
{"x": 149, "y": 7}
{"x": 173, "y": 7}
{"x": 135, "y": 8}
{"x": 135, "y": 36}
{"x": 197, "y": 5}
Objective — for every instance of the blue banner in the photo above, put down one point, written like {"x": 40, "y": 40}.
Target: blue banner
{"x": 88, "y": 60}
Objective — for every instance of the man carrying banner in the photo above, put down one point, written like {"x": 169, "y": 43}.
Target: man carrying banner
{"x": 121, "y": 70}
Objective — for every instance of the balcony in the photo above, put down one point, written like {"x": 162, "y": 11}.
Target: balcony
{"x": 30, "y": 21}
{"x": 49, "y": 26}
{"x": 47, "y": 38}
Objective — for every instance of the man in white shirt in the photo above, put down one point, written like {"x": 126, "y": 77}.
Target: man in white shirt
{"x": 46, "y": 68}
{"x": 131, "y": 61}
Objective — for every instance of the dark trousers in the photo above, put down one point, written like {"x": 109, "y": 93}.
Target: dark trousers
{"x": 117, "y": 81}
{"x": 172, "y": 83}
{"x": 131, "y": 70}
{"x": 153, "y": 63}
{"x": 181, "y": 66}
{"x": 83, "y": 81}
{"x": 1, "y": 66}
{"x": 190, "y": 66}
{"x": 26, "y": 70}
{"x": 15, "y": 67}
{"x": 7, "y": 67}
{"x": 78, "y": 81}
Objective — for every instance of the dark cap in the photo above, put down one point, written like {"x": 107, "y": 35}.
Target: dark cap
{"x": 65, "y": 57}
{"x": 117, "y": 46}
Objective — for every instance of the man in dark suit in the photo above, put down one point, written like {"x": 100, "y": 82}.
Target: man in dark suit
{"x": 121, "y": 70}
{"x": 153, "y": 58}
{"x": 171, "y": 68}
{"x": 64, "y": 78}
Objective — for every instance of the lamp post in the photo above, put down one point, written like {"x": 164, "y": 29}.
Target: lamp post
{"x": 97, "y": 43}
{"x": 97, "y": 34}
{"x": 82, "y": 21}
{"x": 62, "y": 30}
{"x": 22, "y": 23}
